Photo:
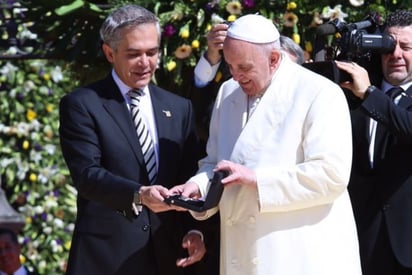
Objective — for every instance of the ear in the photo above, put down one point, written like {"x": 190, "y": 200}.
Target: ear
{"x": 108, "y": 52}
{"x": 275, "y": 57}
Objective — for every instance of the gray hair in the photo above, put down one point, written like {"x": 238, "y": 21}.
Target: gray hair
{"x": 291, "y": 47}
{"x": 129, "y": 16}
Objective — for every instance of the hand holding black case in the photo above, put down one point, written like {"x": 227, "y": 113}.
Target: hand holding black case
{"x": 212, "y": 198}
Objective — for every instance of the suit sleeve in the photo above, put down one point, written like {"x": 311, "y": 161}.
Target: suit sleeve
{"x": 397, "y": 118}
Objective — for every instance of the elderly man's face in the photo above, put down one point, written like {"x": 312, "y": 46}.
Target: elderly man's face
{"x": 251, "y": 65}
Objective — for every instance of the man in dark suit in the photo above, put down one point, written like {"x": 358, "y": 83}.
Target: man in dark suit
{"x": 381, "y": 180}
{"x": 10, "y": 254}
{"x": 123, "y": 226}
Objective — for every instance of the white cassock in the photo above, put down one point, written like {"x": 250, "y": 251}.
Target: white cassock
{"x": 299, "y": 220}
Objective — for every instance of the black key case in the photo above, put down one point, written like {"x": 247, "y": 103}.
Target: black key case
{"x": 212, "y": 198}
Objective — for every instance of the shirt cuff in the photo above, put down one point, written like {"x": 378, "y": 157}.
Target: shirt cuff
{"x": 204, "y": 72}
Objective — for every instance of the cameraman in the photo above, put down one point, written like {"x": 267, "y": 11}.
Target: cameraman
{"x": 381, "y": 179}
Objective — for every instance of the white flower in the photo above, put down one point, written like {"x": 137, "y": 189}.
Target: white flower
{"x": 335, "y": 13}
{"x": 50, "y": 149}
{"x": 38, "y": 209}
{"x": 70, "y": 227}
{"x": 58, "y": 223}
{"x": 23, "y": 128}
{"x": 8, "y": 70}
{"x": 23, "y": 168}
{"x": 356, "y": 3}
{"x": 47, "y": 230}
{"x": 42, "y": 265}
{"x": 4, "y": 162}
{"x": 27, "y": 34}
{"x": 216, "y": 19}
{"x": 28, "y": 85}
{"x": 56, "y": 74}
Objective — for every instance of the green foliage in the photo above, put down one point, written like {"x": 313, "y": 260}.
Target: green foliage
{"x": 32, "y": 169}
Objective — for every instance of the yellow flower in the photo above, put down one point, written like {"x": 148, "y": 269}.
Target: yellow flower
{"x": 25, "y": 145}
{"x": 184, "y": 33}
{"x": 208, "y": 27}
{"x": 231, "y": 18}
{"x": 308, "y": 46}
{"x": 67, "y": 245}
{"x": 28, "y": 220}
{"x": 49, "y": 108}
{"x": 183, "y": 51}
{"x": 296, "y": 38}
{"x": 46, "y": 77}
{"x": 218, "y": 76}
{"x": 234, "y": 7}
{"x": 171, "y": 65}
{"x": 195, "y": 44}
{"x": 290, "y": 19}
{"x": 291, "y": 6}
{"x": 33, "y": 177}
{"x": 22, "y": 259}
{"x": 30, "y": 115}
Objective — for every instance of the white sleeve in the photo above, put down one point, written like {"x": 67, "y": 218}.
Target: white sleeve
{"x": 204, "y": 72}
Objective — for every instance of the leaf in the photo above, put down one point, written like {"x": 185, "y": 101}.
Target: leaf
{"x": 63, "y": 10}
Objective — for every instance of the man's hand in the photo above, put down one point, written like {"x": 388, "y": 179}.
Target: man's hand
{"x": 153, "y": 196}
{"x": 195, "y": 248}
{"x": 215, "y": 39}
{"x": 360, "y": 78}
{"x": 238, "y": 174}
{"x": 188, "y": 190}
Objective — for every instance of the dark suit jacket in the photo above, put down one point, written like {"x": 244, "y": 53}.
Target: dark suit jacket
{"x": 382, "y": 195}
{"x": 102, "y": 151}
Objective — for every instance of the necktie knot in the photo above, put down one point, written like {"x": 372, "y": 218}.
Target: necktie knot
{"x": 135, "y": 95}
{"x": 394, "y": 92}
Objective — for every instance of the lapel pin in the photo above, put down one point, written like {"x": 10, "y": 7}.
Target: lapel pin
{"x": 167, "y": 113}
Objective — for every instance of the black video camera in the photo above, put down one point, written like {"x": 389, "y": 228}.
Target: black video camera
{"x": 358, "y": 42}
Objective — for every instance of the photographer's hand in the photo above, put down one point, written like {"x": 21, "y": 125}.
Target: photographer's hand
{"x": 215, "y": 39}
{"x": 360, "y": 78}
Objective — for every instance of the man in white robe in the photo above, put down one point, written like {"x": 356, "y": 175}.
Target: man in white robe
{"x": 284, "y": 134}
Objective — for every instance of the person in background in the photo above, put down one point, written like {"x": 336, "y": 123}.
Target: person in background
{"x": 381, "y": 181}
{"x": 10, "y": 254}
{"x": 285, "y": 207}
{"x": 123, "y": 226}
{"x": 209, "y": 63}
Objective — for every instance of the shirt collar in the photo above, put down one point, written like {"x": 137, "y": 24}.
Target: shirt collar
{"x": 386, "y": 86}
{"x": 124, "y": 89}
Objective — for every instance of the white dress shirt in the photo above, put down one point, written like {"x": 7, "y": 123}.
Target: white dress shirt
{"x": 146, "y": 109}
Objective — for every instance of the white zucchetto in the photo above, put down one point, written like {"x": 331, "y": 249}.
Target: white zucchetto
{"x": 253, "y": 28}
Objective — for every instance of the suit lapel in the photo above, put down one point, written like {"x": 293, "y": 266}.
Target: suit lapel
{"x": 115, "y": 105}
{"x": 383, "y": 137}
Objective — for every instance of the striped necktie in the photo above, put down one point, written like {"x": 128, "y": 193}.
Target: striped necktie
{"x": 145, "y": 139}
{"x": 394, "y": 92}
